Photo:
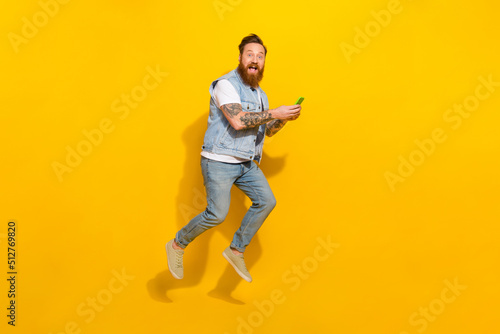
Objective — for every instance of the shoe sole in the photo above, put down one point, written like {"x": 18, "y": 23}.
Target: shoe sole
{"x": 169, "y": 268}
{"x": 236, "y": 268}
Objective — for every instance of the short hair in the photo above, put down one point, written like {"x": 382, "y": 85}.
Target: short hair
{"x": 252, "y": 38}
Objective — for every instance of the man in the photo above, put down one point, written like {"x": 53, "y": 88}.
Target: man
{"x": 238, "y": 121}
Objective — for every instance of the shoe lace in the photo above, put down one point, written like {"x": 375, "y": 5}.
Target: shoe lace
{"x": 178, "y": 259}
{"x": 241, "y": 260}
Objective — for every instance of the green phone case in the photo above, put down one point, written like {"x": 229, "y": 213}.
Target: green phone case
{"x": 299, "y": 101}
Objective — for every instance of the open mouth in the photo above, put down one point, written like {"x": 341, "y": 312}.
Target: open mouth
{"x": 253, "y": 69}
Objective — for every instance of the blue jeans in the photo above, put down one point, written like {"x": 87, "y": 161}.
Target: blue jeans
{"x": 218, "y": 178}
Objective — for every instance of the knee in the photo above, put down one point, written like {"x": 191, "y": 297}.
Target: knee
{"x": 216, "y": 216}
{"x": 269, "y": 202}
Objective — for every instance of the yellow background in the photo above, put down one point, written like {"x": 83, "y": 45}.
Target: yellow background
{"x": 115, "y": 210}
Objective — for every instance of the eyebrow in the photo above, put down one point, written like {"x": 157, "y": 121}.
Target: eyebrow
{"x": 254, "y": 51}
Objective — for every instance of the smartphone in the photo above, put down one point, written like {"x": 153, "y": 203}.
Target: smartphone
{"x": 299, "y": 101}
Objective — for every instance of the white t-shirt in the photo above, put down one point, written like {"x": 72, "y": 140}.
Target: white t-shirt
{"x": 225, "y": 93}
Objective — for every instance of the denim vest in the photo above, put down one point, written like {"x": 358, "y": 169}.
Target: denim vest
{"x": 222, "y": 138}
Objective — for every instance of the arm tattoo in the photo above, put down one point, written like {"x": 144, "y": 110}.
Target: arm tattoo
{"x": 252, "y": 119}
{"x": 232, "y": 109}
{"x": 274, "y": 126}
{"x": 247, "y": 119}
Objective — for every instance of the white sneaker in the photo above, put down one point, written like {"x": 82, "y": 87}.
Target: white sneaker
{"x": 174, "y": 257}
{"x": 238, "y": 263}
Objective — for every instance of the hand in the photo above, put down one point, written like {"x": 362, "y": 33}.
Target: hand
{"x": 293, "y": 118}
{"x": 287, "y": 113}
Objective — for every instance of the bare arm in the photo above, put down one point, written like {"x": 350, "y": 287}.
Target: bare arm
{"x": 240, "y": 119}
{"x": 274, "y": 126}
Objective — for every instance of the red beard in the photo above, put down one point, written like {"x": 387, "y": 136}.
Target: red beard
{"x": 249, "y": 79}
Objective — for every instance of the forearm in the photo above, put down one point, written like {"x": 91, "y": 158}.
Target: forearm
{"x": 252, "y": 119}
{"x": 241, "y": 120}
{"x": 274, "y": 126}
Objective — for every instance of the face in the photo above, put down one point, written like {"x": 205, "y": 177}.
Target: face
{"x": 251, "y": 67}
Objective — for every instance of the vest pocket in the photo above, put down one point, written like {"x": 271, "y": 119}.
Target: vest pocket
{"x": 248, "y": 106}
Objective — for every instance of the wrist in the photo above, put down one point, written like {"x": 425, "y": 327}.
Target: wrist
{"x": 275, "y": 114}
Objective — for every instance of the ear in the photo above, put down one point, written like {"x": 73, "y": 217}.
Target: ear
{"x": 239, "y": 58}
